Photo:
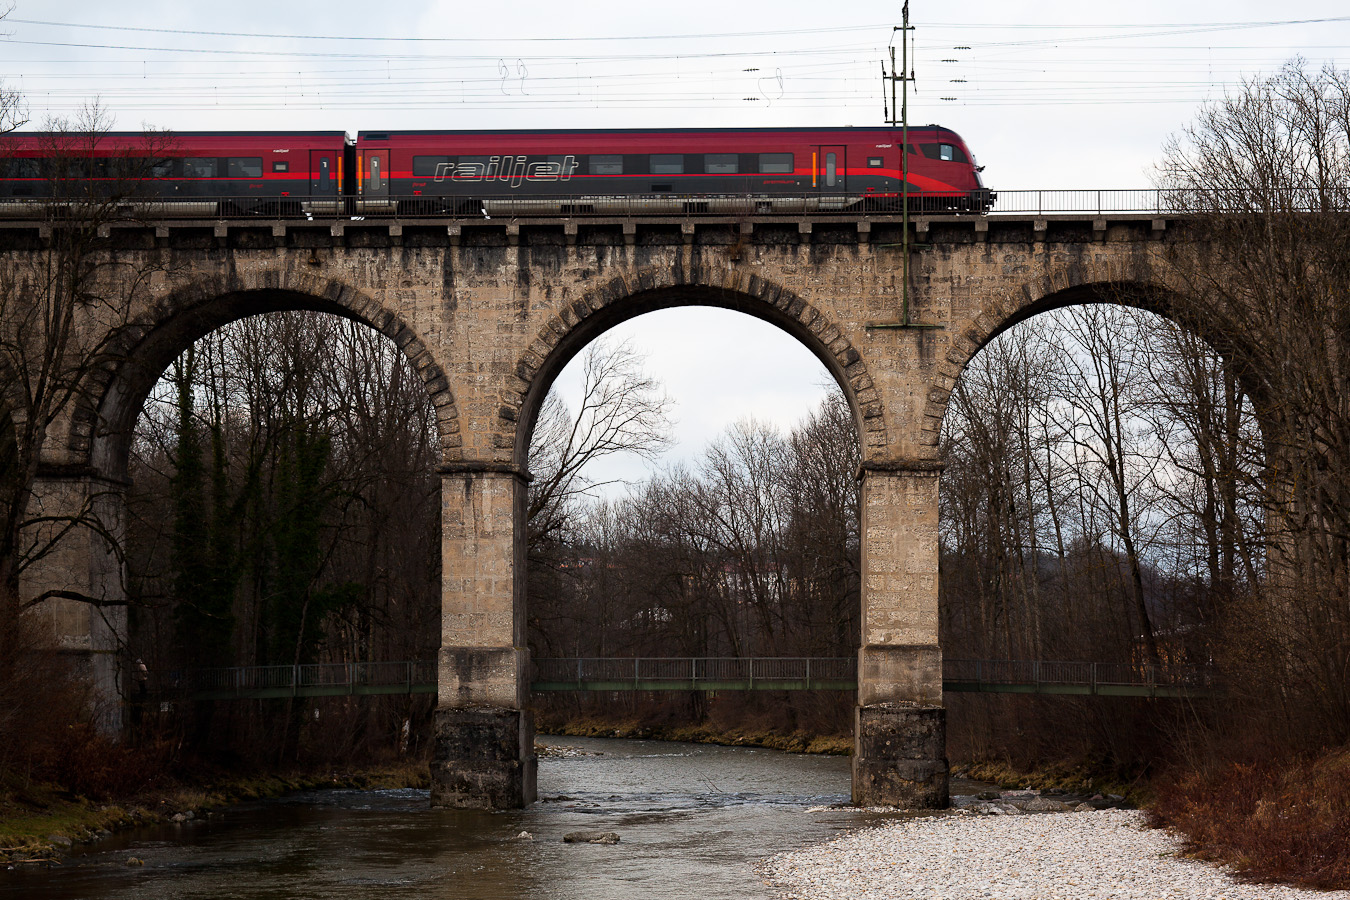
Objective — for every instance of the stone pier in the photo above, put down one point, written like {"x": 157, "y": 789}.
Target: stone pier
{"x": 899, "y": 736}
{"x": 484, "y": 755}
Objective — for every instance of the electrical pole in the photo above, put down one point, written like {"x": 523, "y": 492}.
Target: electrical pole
{"x": 898, "y": 116}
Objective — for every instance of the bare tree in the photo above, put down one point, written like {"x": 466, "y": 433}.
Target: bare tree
{"x": 623, "y": 410}
{"x": 61, "y": 307}
{"x": 13, "y": 109}
{"x": 1265, "y": 173}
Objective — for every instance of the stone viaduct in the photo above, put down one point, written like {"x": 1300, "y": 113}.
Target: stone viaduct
{"x": 490, "y": 311}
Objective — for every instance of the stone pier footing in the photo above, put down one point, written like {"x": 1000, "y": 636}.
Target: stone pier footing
{"x": 899, "y": 756}
{"x": 484, "y": 758}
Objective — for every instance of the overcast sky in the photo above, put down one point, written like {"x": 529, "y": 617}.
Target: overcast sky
{"x": 1047, "y": 94}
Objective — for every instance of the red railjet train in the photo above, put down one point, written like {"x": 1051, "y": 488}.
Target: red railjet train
{"x": 517, "y": 172}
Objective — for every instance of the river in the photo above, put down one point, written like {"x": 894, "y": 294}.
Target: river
{"x": 692, "y": 820}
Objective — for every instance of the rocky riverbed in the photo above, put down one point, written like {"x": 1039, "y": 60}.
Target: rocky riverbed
{"x": 1086, "y": 854}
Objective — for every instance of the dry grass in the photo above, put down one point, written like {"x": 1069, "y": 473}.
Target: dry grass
{"x": 798, "y": 723}
{"x": 1081, "y": 776}
{"x": 750, "y": 736}
{"x": 1288, "y": 822}
{"x": 30, "y": 816}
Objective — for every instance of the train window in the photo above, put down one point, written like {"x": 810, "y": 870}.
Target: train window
{"x": 118, "y": 167}
{"x": 244, "y": 167}
{"x": 281, "y": 165}
{"x": 161, "y": 168}
{"x": 199, "y": 167}
{"x": 948, "y": 152}
{"x": 831, "y": 170}
{"x": 376, "y": 182}
{"x": 874, "y": 162}
{"x": 470, "y": 168}
{"x": 605, "y": 164}
{"x": 775, "y": 163}
{"x": 19, "y": 167}
{"x": 667, "y": 164}
{"x": 431, "y": 166}
{"x": 720, "y": 163}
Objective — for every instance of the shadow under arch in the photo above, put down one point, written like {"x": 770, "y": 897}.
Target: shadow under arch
{"x": 1148, "y": 296}
{"x": 611, "y": 304}
{"x": 141, "y": 353}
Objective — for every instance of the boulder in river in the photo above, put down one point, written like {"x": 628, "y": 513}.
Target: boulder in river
{"x": 1042, "y": 804}
{"x": 590, "y": 837}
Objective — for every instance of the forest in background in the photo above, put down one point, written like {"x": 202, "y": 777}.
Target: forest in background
{"x": 1099, "y": 502}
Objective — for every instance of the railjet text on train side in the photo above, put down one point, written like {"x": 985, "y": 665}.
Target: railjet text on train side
{"x": 511, "y": 169}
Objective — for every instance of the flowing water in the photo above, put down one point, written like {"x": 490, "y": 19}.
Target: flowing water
{"x": 692, "y": 820}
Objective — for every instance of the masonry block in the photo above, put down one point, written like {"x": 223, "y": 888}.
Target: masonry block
{"x": 904, "y": 674}
{"x": 482, "y": 676}
{"x": 899, "y": 756}
{"x": 483, "y": 759}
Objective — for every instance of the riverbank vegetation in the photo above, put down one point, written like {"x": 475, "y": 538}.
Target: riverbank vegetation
{"x": 38, "y": 821}
{"x": 1281, "y": 819}
{"x": 64, "y": 780}
{"x": 729, "y": 718}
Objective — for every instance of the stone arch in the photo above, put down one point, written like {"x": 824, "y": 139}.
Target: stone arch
{"x": 1069, "y": 287}
{"x": 138, "y": 353}
{"x": 581, "y": 320}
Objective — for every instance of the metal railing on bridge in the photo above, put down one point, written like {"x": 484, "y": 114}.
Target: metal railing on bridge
{"x": 1017, "y": 676}
{"x": 840, "y": 674}
{"x": 689, "y": 674}
{"x": 280, "y": 209}
{"x": 697, "y": 674}
{"x": 311, "y": 680}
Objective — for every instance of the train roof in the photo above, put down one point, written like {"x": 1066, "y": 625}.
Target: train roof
{"x": 379, "y": 134}
{"x": 169, "y": 133}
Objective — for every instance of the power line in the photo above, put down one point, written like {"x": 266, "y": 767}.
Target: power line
{"x": 464, "y": 40}
{"x": 293, "y": 54}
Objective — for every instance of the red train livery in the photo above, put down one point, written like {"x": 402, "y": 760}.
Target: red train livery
{"x": 553, "y": 172}
{"x": 186, "y": 173}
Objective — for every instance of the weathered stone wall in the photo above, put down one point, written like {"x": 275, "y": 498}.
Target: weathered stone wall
{"x": 83, "y": 563}
{"x": 490, "y": 312}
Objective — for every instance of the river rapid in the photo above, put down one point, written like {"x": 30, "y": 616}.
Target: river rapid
{"x": 692, "y": 819}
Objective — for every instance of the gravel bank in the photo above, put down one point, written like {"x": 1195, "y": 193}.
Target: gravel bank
{"x": 1106, "y": 855}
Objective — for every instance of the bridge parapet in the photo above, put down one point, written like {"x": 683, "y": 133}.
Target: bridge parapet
{"x": 263, "y": 233}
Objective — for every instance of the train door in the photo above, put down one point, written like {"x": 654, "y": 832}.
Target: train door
{"x": 831, "y": 174}
{"x": 373, "y": 179}
{"x": 324, "y": 174}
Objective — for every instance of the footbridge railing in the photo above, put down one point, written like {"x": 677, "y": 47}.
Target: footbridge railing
{"x": 697, "y": 674}
{"x": 1017, "y": 676}
{"x": 684, "y": 674}
{"x": 312, "y": 680}
{"x": 841, "y": 673}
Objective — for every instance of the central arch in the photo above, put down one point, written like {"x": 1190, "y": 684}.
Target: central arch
{"x": 622, "y": 298}
{"x": 898, "y": 731}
